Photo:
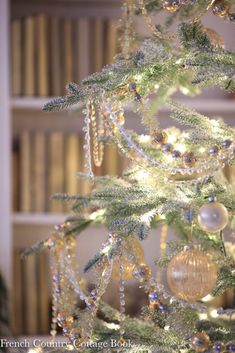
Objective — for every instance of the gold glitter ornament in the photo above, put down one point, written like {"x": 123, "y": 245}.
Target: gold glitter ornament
{"x": 191, "y": 275}
{"x": 70, "y": 241}
{"x": 120, "y": 119}
{"x": 135, "y": 248}
{"x": 200, "y": 341}
{"x": 214, "y": 37}
{"x": 220, "y": 8}
{"x": 158, "y": 138}
{"x": 213, "y": 217}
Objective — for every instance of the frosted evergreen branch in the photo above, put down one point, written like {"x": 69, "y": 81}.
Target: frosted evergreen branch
{"x": 33, "y": 249}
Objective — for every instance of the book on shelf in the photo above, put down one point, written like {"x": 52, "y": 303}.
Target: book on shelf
{"x": 17, "y": 323}
{"x": 16, "y": 57}
{"x": 68, "y": 49}
{"x": 49, "y": 51}
{"x": 15, "y": 176}
{"x": 111, "y": 41}
{"x": 25, "y": 166}
{"x": 112, "y": 162}
{"x": 82, "y": 49}
{"x": 44, "y": 293}
{"x": 29, "y": 68}
{"x": 73, "y": 163}
{"x": 56, "y": 60}
{"x": 56, "y": 170}
{"x": 47, "y": 163}
{"x": 32, "y": 294}
{"x": 39, "y": 169}
{"x": 97, "y": 44}
{"x": 42, "y": 55}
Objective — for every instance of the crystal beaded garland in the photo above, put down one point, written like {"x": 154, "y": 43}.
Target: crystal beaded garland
{"x": 213, "y": 217}
{"x": 191, "y": 275}
{"x": 193, "y": 169}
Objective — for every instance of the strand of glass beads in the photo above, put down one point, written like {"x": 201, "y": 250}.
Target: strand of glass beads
{"x": 62, "y": 250}
{"x": 55, "y": 289}
{"x": 98, "y": 146}
{"x": 122, "y": 297}
{"x": 87, "y": 144}
{"x": 92, "y": 301}
{"x": 55, "y": 245}
{"x": 214, "y": 162}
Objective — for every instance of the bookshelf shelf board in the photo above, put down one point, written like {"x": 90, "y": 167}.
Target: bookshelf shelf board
{"x": 31, "y": 103}
{"x": 38, "y": 218}
{"x": 68, "y": 8}
{"x": 205, "y": 105}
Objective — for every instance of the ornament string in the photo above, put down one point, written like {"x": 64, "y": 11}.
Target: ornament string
{"x": 121, "y": 295}
{"x": 222, "y": 243}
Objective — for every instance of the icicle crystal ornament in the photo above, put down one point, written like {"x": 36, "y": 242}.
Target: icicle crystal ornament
{"x": 87, "y": 145}
{"x": 98, "y": 146}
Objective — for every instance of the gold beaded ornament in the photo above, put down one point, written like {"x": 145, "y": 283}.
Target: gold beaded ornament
{"x": 191, "y": 275}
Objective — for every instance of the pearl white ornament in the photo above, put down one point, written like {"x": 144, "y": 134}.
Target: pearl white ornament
{"x": 213, "y": 217}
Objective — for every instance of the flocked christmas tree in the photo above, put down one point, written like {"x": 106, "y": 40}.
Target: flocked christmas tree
{"x": 174, "y": 179}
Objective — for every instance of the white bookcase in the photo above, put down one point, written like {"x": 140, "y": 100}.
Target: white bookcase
{"x": 5, "y": 147}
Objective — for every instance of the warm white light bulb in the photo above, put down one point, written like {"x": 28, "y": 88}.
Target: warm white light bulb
{"x": 207, "y": 298}
{"x": 203, "y": 316}
{"x": 213, "y": 313}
